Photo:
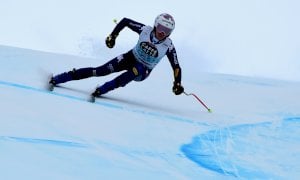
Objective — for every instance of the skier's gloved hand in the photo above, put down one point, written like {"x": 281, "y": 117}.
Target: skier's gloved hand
{"x": 111, "y": 40}
{"x": 177, "y": 88}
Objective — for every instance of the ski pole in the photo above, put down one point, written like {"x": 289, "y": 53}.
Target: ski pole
{"x": 195, "y": 96}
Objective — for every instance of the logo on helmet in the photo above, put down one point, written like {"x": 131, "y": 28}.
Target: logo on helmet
{"x": 168, "y": 19}
{"x": 164, "y": 22}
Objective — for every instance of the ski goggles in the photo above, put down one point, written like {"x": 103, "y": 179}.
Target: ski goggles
{"x": 162, "y": 29}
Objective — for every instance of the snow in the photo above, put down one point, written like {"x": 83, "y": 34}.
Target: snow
{"x": 242, "y": 62}
{"x": 143, "y": 130}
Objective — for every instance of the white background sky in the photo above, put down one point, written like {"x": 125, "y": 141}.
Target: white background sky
{"x": 254, "y": 38}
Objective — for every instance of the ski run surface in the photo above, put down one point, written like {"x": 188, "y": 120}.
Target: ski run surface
{"x": 143, "y": 131}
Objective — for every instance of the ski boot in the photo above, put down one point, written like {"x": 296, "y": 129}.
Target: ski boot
{"x": 51, "y": 84}
{"x": 95, "y": 95}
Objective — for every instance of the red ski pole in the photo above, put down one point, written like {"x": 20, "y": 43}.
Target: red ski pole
{"x": 195, "y": 96}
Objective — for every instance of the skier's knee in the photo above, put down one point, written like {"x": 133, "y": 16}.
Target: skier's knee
{"x": 120, "y": 83}
{"x": 140, "y": 73}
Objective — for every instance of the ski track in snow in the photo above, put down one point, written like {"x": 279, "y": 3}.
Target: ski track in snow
{"x": 106, "y": 104}
{"x": 43, "y": 141}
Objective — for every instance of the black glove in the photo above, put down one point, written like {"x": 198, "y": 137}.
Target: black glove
{"x": 111, "y": 40}
{"x": 177, "y": 88}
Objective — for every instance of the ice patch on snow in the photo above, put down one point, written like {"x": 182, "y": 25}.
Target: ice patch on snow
{"x": 250, "y": 150}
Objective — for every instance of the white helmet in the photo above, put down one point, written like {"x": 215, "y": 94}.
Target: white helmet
{"x": 164, "y": 23}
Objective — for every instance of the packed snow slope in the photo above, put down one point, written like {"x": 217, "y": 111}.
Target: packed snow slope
{"x": 143, "y": 131}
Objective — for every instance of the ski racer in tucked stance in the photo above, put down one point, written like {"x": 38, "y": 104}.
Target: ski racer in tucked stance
{"x": 153, "y": 44}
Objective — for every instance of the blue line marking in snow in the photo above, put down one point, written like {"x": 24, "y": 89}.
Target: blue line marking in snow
{"x": 43, "y": 141}
{"x": 251, "y": 151}
{"x": 106, "y": 104}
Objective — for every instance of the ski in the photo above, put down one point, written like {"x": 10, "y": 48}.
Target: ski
{"x": 50, "y": 87}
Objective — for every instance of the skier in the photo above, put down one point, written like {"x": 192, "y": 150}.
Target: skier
{"x": 153, "y": 44}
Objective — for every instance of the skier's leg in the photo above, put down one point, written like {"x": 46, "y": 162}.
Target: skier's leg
{"x": 117, "y": 64}
{"x": 119, "y": 81}
{"x": 122, "y": 62}
{"x": 137, "y": 73}
{"x": 75, "y": 74}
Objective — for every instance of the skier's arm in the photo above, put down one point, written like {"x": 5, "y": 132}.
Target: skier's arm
{"x": 172, "y": 56}
{"x": 125, "y": 22}
{"x": 131, "y": 24}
